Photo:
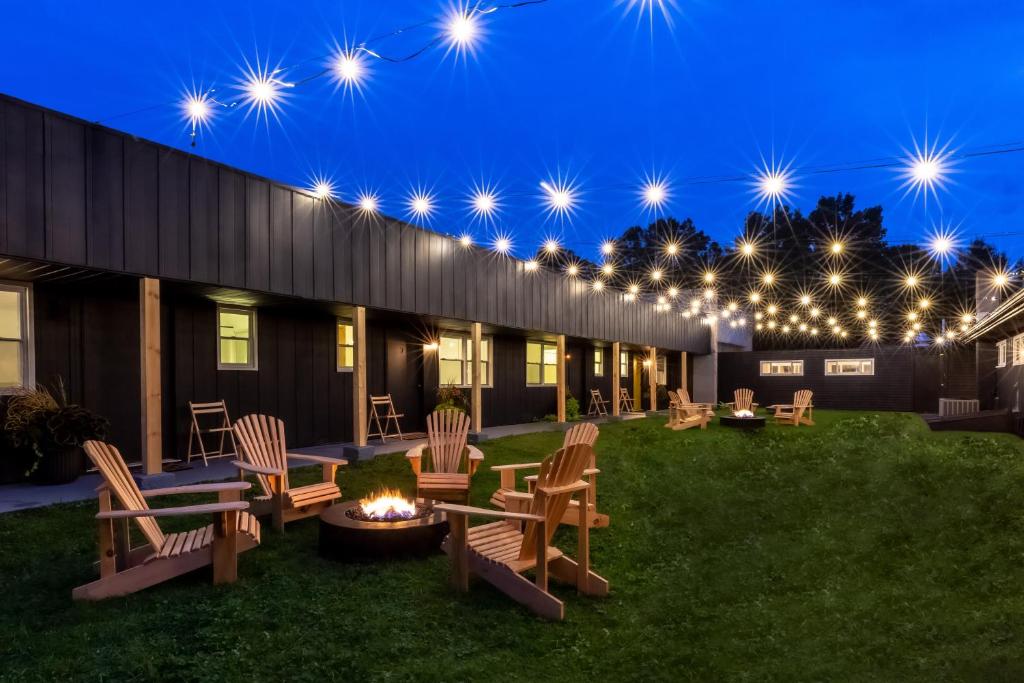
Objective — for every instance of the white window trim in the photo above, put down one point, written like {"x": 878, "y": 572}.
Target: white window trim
{"x": 660, "y": 367}
{"x": 253, "y": 366}
{"x": 337, "y": 345}
{"x": 1001, "y": 353}
{"x": 1018, "y": 350}
{"x": 598, "y": 353}
{"x": 543, "y": 344}
{"x": 622, "y": 364}
{"x": 760, "y": 368}
{"x": 28, "y": 355}
{"x": 467, "y": 341}
{"x": 850, "y": 374}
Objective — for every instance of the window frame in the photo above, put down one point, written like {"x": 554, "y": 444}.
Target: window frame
{"x": 487, "y": 381}
{"x": 623, "y": 363}
{"x": 338, "y": 345}
{"x": 27, "y": 340}
{"x": 660, "y": 371}
{"x": 772, "y": 363}
{"x": 598, "y": 362}
{"x": 253, "y": 365}
{"x": 1001, "y": 353}
{"x": 858, "y": 361}
{"x": 1018, "y": 350}
{"x": 543, "y": 345}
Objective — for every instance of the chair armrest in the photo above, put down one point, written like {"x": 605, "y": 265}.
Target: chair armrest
{"x": 256, "y": 469}
{"x": 320, "y": 459}
{"x": 483, "y": 512}
{"x": 568, "y": 488}
{"x": 416, "y": 451}
{"x": 198, "y": 488}
{"x": 531, "y": 477}
{"x": 591, "y": 470}
{"x": 474, "y": 453}
{"x": 175, "y": 512}
{"x": 521, "y": 466}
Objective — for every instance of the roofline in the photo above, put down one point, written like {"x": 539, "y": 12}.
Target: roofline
{"x": 1005, "y": 311}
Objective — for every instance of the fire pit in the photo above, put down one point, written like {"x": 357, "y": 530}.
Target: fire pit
{"x": 742, "y": 419}
{"x": 383, "y": 526}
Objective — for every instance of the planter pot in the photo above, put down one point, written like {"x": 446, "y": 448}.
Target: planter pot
{"x": 60, "y": 466}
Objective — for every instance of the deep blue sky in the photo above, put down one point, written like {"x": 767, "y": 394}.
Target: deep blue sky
{"x": 576, "y": 86}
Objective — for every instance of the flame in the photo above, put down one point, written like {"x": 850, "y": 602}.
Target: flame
{"x": 387, "y": 504}
{"x": 743, "y": 413}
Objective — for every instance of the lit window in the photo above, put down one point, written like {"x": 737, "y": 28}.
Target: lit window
{"x": 624, "y": 364}
{"x": 346, "y": 346}
{"x": 1001, "y": 354}
{"x": 237, "y": 330}
{"x": 782, "y": 368}
{"x": 1018, "y": 350}
{"x": 15, "y": 340}
{"x": 598, "y": 362}
{"x": 662, "y": 371}
{"x": 850, "y": 366}
{"x": 455, "y": 356}
{"x": 541, "y": 364}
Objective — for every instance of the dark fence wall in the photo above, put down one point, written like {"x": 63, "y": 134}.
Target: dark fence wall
{"x": 77, "y": 193}
{"x": 1010, "y": 387}
{"x": 905, "y": 378}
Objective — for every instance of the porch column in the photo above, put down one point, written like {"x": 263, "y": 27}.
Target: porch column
{"x": 616, "y": 378}
{"x": 683, "y": 378}
{"x": 560, "y": 377}
{"x": 476, "y": 393}
{"x": 152, "y": 399}
{"x": 359, "y": 377}
{"x": 652, "y": 379}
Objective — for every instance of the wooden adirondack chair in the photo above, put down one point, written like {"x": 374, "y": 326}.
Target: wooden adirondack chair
{"x": 799, "y": 412}
{"x": 452, "y": 462}
{"x": 124, "y": 569}
{"x": 264, "y": 453}
{"x": 383, "y": 416}
{"x": 688, "y": 415}
{"x": 500, "y": 552}
{"x": 743, "y": 399}
{"x": 597, "y": 404}
{"x": 625, "y": 401}
{"x": 684, "y": 398}
{"x": 585, "y": 433}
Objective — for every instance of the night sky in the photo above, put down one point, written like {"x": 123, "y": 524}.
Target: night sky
{"x": 587, "y": 89}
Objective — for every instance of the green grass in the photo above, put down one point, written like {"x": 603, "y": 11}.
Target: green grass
{"x": 865, "y": 548}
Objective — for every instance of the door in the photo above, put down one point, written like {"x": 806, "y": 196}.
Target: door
{"x": 404, "y": 377}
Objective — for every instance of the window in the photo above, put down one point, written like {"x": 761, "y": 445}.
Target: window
{"x": 850, "y": 366}
{"x": 16, "y": 353}
{"x": 237, "y": 330}
{"x": 1001, "y": 354}
{"x": 624, "y": 364}
{"x": 782, "y": 367}
{"x": 1018, "y": 350}
{"x": 598, "y": 362}
{"x": 455, "y": 356}
{"x": 662, "y": 371}
{"x": 346, "y": 346}
{"x": 541, "y": 363}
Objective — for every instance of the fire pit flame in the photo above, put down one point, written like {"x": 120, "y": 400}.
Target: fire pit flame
{"x": 387, "y": 505}
{"x": 743, "y": 413}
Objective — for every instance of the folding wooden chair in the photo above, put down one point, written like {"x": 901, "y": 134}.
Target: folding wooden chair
{"x": 382, "y": 408}
{"x": 597, "y": 404}
{"x": 625, "y": 401}
{"x": 195, "y": 434}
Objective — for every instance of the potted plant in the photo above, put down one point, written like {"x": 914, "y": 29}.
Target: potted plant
{"x": 51, "y": 431}
{"x": 450, "y": 397}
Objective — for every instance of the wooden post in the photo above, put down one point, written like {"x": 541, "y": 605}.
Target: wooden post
{"x": 359, "y": 376}
{"x": 149, "y": 345}
{"x": 460, "y": 554}
{"x": 560, "y": 378}
{"x": 616, "y": 377}
{"x": 684, "y": 377}
{"x": 476, "y": 393}
{"x": 652, "y": 379}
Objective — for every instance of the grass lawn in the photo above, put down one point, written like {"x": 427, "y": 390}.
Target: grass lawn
{"x": 865, "y": 548}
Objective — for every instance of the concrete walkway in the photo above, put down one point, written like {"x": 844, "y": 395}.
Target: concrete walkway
{"x": 15, "y": 497}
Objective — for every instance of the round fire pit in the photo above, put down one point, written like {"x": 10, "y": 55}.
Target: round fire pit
{"x": 347, "y": 536}
{"x": 755, "y": 422}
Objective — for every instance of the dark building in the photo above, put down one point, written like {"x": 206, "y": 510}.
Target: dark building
{"x": 143, "y": 277}
{"x": 999, "y": 338}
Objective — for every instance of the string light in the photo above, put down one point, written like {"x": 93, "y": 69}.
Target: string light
{"x": 368, "y": 203}
{"x": 747, "y": 248}
{"x": 709, "y": 294}
{"x": 551, "y": 247}
{"x": 673, "y": 292}
{"x": 926, "y": 170}
{"x": 672, "y": 248}
{"x": 709, "y": 276}
{"x": 772, "y": 309}
{"x": 463, "y": 31}
{"x": 656, "y": 274}
{"x": 349, "y": 70}
{"x": 262, "y": 91}
{"x": 924, "y": 303}
{"x": 654, "y": 193}
{"x": 572, "y": 270}
{"x": 597, "y": 285}
{"x": 421, "y": 204}
{"x": 768, "y": 279}
{"x": 911, "y": 281}
{"x": 502, "y": 244}
{"x": 608, "y": 247}
{"x": 754, "y": 297}
{"x": 1001, "y": 279}
{"x": 608, "y": 269}
{"x": 862, "y": 301}
{"x": 772, "y": 183}
{"x": 559, "y": 198}
{"x": 466, "y": 240}
{"x": 483, "y": 202}
{"x": 531, "y": 265}
{"x": 805, "y": 299}
{"x": 835, "y": 279}
{"x": 836, "y": 247}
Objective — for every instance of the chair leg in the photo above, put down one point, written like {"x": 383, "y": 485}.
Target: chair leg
{"x": 459, "y": 525}
{"x": 225, "y": 547}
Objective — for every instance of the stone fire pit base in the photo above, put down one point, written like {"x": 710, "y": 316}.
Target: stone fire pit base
{"x": 351, "y": 540}
{"x": 756, "y": 422}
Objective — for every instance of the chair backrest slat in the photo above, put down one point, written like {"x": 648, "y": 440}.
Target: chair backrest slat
{"x": 584, "y": 432}
{"x": 684, "y": 396}
{"x": 261, "y": 438}
{"x": 563, "y": 468}
{"x": 447, "y": 435}
{"x": 115, "y": 472}
{"x": 744, "y": 399}
{"x": 673, "y": 399}
{"x": 801, "y": 401}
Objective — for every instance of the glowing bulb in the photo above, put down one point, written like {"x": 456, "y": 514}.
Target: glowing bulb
{"x": 835, "y": 279}
{"x": 368, "y": 203}
{"x": 733, "y": 306}
{"x": 912, "y": 316}
{"x": 466, "y": 240}
{"x": 917, "y": 327}
{"x": 573, "y": 270}
{"x": 661, "y": 300}
{"x": 709, "y": 277}
{"x": 531, "y": 265}
{"x": 597, "y": 285}
{"x": 927, "y": 169}
{"x": 747, "y": 248}
{"x": 1000, "y": 279}
{"x": 836, "y": 247}
{"x": 323, "y": 189}
{"x": 551, "y": 247}
{"x": 483, "y": 203}
{"x": 872, "y": 324}
{"x": 814, "y": 331}
{"x": 559, "y": 197}
{"x": 758, "y": 326}
{"x": 654, "y": 193}
{"x": 634, "y": 289}
{"x": 673, "y": 292}
{"x": 758, "y": 315}
{"x": 912, "y": 281}
{"x": 815, "y": 312}
{"x": 967, "y": 318}
{"x": 873, "y": 333}
{"x": 772, "y": 324}
{"x": 502, "y": 245}
{"x": 754, "y": 297}
{"x": 772, "y": 183}
{"x": 726, "y": 314}
{"x": 462, "y": 30}
{"x": 196, "y": 109}
{"x": 772, "y": 309}
{"x": 261, "y": 91}
{"x": 656, "y": 274}
{"x": 607, "y": 269}
{"x": 608, "y": 248}
{"x": 709, "y": 294}
{"x": 672, "y": 248}
{"x": 832, "y": 322}
{"x": 803, "y": 327}
{"x": 843, "y": 334}
{"x": 793, "y": 319}
{"x": 768, "y": 279}
{"x": 421, "y": 204}
{"x": 805, "y": 299}
{"x": 862, "y": 302}
{"x": 785, "y": 329}
{"x": 835, "y": 329}
{"x": 862, "y": 314}
{"x": 924, "y": 303}
{"x": 349, "y": 69}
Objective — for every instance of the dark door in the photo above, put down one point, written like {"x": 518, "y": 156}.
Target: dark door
{"x": 404, "y": 377}
{"x": 927, "y": 381}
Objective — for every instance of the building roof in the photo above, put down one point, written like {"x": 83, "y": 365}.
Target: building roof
{"x": 1005, "y": 321}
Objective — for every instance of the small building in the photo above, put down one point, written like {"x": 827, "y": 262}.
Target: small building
{"x": 143, "y": 277}
{"x": 999, "y": 338}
